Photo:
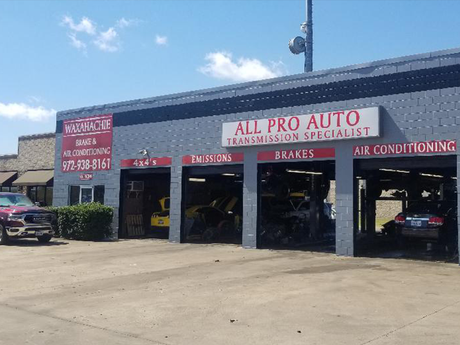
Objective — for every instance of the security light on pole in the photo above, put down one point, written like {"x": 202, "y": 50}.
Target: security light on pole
{"x": 299, "y": 44}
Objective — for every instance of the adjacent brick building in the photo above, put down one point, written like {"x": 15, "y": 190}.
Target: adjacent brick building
{"x": 31, "y": 170}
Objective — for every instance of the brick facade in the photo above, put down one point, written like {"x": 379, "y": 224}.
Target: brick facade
{"x": 419, "y": 97}
{"x": 35, "y": 152}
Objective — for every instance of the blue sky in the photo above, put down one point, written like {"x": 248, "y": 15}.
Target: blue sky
{"x": 57, "y": 55}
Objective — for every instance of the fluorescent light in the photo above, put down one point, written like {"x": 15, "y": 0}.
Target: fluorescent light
{"x": 453, "y": 178}
{"x": 398, "y": 171}
{"x": 193, "y": 179}
{"x": 303, "y": 172}
{"x": 228, "y": 174}
{"x": 431, "y": 175}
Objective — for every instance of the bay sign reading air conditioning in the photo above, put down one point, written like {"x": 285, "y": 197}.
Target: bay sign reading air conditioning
{"x": 135, "y": 186}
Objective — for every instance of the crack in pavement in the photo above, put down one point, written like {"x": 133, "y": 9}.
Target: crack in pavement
{"x": 125, "y": 334}
{"x": 409, "y": 324}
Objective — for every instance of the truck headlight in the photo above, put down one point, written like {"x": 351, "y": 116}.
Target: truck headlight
{"x": 15, "y": 220}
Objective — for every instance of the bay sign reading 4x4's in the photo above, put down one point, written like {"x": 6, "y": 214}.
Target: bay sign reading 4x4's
{"x": 20, "y": 218}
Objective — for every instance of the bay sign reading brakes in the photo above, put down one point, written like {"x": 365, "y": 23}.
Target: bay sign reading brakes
{"x": 87, "y": 144}
{"x": 334, "y": 125}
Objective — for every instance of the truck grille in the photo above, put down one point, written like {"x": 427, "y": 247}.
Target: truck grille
{"x": 38, "y": 218}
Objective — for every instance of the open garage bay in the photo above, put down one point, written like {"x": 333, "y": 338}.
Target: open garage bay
{"x": 407, "y": 207}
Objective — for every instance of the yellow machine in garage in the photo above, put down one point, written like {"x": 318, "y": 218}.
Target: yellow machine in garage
{"x": 161, "y": 219}
{"x": 219, "y": 214}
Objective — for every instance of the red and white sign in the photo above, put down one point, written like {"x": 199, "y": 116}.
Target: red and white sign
{"x": 335, "y": 125}
{"x": 422, "y": 147}
{"x": 213, "y": 158}
{"x": 87, "y": 144}
{"x": 146, "y": 162}
{"x": 86, "y": 177}
{"x": 302, "y": 154}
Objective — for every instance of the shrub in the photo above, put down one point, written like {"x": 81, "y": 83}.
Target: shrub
{"x": 87, "y": 222}
{"x": 55, "y": 210}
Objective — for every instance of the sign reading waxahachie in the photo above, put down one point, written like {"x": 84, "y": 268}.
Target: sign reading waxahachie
{"x": 334, "y": 125}
{"x": 87, "y": 144}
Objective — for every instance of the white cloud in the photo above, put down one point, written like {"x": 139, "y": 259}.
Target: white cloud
{"x": 85, "y": 25}
{"x": 75, "y": 42}
{"x": 24, "y": 111}
{"x": 124, "y": 23}
{"x": 220, "y": 65}
{"x": 107, "y": 41}
{"x": 35, "y": 99}
{"x": 161, "y": 40}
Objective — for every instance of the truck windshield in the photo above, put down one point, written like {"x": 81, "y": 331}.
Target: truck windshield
{"x": 15, "y": 200}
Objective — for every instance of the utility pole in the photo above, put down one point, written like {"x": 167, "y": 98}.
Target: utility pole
{"x": 299, "y": 44}
{"x": 309, "y": 38}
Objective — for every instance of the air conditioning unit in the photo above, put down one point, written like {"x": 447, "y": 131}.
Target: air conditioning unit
{"x": 135, "y": 186}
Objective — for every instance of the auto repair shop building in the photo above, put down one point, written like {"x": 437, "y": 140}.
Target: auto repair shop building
{"x": 374, "y": 122}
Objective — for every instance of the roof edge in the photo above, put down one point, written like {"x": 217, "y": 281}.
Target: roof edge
{"x": 37, "y": 136}
{"x": 233, "y": 88}
{"x": 9, "y": 156}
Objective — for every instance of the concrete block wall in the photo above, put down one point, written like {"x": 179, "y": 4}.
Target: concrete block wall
{"x": 250, "y": 200}
{"x": 412, "y": 116}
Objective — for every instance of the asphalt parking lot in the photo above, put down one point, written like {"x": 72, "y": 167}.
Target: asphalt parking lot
{"x": 152, "y": 292}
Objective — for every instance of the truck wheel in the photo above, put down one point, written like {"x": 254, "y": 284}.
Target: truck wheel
{"x": 3, "y": 235}
{"x": 44, "y": 239}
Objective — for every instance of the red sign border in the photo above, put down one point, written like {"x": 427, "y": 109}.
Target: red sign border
{"x": 373, "y": 155}
{"x": 160, "y": 162}
{"x": 237, "y": 157}
{"x": 79, "y": 119}
{"x": 320, "y": 153}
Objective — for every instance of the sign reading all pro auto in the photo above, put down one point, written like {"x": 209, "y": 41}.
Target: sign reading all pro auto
{"x": 87, "y": 144}
{"x": 334, "y": 125}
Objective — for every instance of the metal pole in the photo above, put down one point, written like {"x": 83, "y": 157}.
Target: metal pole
{"x": 309, "y": 38}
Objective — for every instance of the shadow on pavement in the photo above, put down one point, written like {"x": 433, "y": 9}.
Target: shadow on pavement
{"x": 35, "y": 243}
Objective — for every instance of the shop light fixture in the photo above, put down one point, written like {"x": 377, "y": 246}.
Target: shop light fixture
{"x": 144, "y": 152}
{"x": 431, "y": 175}
{"x": 303, "y": 172}
{"x": 194, "y": 179}
{"x": 453, "y": 178}
{"x": 397, "y": 171}
{"x": 228, "y": 174}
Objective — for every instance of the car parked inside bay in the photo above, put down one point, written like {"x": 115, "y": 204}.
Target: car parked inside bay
{"x": 431, "y": 221}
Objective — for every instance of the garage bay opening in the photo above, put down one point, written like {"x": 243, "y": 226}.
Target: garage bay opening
{"x": 145, "y": 203}
{"x": 407, "y": 207}
{"x": 212, "y": 204}
{"x": 297, "y": 205}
